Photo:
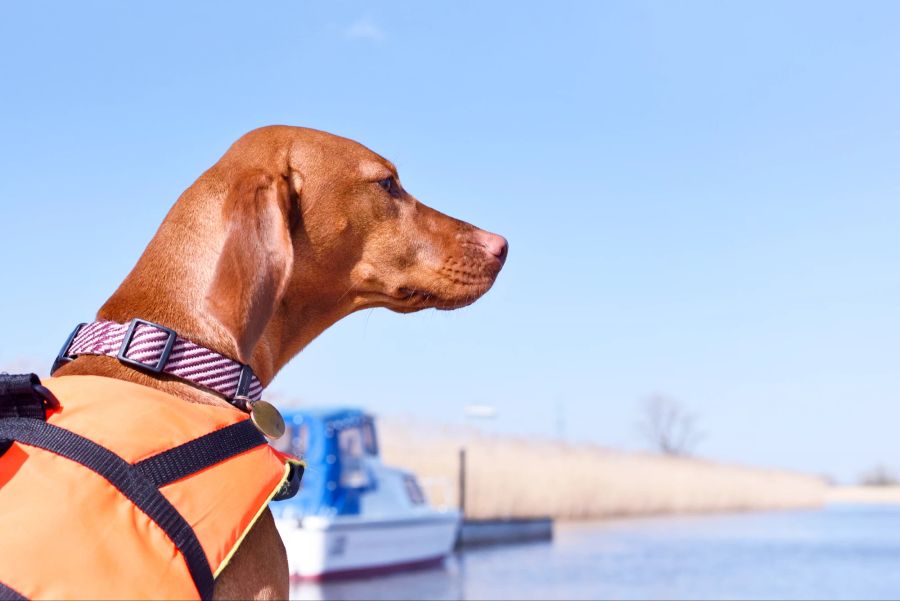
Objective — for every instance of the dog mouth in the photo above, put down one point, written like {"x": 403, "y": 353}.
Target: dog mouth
{"x": 413, "y": 298}
{"x": 453, "y": 285}
{"x": 408, "y": 299}
{"x": 456, "y": 284}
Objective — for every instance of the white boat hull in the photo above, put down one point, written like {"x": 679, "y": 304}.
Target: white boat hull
{"x": 320, "y": 547}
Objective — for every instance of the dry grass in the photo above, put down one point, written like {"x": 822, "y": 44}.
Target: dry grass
{"x": 510, "y": 477}
{"x": 878, "y": 495}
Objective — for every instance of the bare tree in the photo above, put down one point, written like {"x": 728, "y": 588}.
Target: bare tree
{"x": 668, "y": 427}
{"x": 879, "y": 475}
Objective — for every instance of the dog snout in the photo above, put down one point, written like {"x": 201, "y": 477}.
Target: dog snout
{"x": 493, "y": 244}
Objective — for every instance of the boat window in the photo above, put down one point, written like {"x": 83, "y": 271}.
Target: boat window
{"x": 370, "y": 443}
{"x": 352, "y": 449}
{"x": 413, "y": 490}
{"x": 300, "y": 441}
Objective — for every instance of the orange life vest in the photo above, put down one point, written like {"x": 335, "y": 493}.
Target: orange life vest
{"x": 128, "y": 492}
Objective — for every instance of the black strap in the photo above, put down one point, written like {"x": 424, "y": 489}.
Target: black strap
{"x": 129, "y": 481}
{"x": 291, "y": 484}
{"x": 200, "y": 453}
{"x": 7, "y": 593}
{"x": 18, "y": 397}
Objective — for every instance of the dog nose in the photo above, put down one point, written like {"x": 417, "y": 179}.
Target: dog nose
{"x": 494, "y": 244}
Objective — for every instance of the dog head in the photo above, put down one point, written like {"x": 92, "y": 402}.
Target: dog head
{"x": 316, "y": 222}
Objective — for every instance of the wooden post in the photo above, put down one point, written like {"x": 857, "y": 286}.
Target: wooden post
{"x": 462, "y": 482}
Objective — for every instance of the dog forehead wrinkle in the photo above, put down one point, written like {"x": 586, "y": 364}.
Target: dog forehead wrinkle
{"x": 371, "y": 170}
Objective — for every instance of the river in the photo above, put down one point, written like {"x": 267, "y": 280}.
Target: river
{"x": 841, "y": 552}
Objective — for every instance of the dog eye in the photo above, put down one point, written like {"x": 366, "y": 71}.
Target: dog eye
{"x": 387, "y": 184}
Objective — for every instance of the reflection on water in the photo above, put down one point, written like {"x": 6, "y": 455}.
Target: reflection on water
{"x": 838, "y": 553}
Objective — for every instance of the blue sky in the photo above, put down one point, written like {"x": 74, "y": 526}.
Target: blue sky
{"x": 701, "y": 198}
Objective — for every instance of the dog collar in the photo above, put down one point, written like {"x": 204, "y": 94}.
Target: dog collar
{"x": 157, "y": 349}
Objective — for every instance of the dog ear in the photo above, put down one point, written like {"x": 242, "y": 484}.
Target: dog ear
{"x": 257, "y": 258}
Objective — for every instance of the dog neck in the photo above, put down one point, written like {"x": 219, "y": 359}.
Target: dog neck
{"x": 168, "y": 285}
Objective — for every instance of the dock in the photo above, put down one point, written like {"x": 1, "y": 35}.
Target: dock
{"x": 479, "y": 533}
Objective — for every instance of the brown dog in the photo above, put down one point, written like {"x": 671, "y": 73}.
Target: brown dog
{"x": 290, "y": 231}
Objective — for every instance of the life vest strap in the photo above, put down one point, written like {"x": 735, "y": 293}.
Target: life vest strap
{"x": 23, "y": 396}
{"x": 130, "y": 481}
{"x": 200, "y": 453}
{"x": 8, "y": 593}
{"x": 291, "y": 484}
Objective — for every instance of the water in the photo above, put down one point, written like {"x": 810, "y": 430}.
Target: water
{"x": 845, "y": 552}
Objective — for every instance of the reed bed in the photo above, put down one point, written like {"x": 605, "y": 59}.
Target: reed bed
{"x": 512, "y": 477}
{"x": 877, "y": 495}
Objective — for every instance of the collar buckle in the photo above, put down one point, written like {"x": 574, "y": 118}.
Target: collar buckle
{"x": 241, "y": 398}
{"x": 171, "y": 336}
{"x": 63, "y": 356}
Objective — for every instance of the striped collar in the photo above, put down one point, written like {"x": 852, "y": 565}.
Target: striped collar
{"x": 157, "y": 349}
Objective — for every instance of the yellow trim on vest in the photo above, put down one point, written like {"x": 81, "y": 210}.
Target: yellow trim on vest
{"x": 227, "y": 559}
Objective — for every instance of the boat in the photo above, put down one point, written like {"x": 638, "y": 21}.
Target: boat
{"x": 355, "y": 516}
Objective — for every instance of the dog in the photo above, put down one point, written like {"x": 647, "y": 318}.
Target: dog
{"x": 290, "y": 231}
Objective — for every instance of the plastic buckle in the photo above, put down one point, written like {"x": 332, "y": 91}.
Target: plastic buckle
{"x": 163, "y": 358}
{"x": 62, "y": 357}
{"x": 49, "y": 399}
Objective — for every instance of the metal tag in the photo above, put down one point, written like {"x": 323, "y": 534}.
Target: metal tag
{"x": 267, "y": 419}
